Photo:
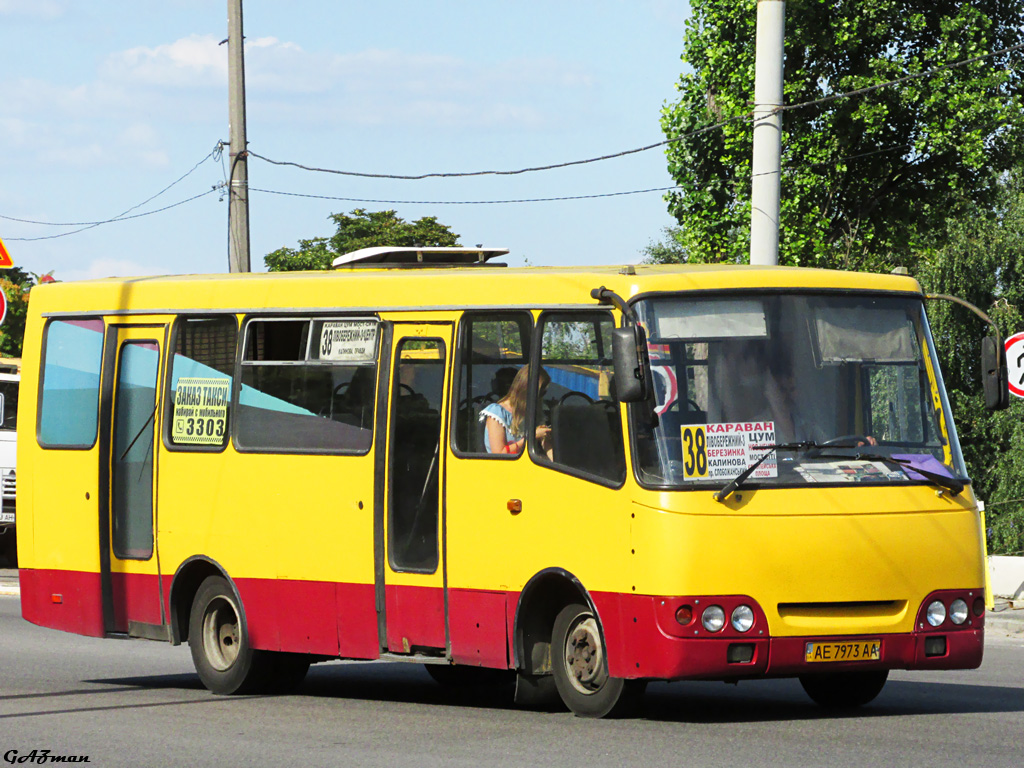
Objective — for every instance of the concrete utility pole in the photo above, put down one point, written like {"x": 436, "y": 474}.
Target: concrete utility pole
{"x": 766, "y": 182}
{"x": 238, "y": 190}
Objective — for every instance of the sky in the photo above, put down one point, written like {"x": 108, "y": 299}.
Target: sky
{"x": 105, "y": 103}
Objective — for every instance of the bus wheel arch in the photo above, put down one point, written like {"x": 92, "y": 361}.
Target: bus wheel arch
{"x": 554, "y": 612}
{"x": 544, "y": 595}
{"x": 184, "y": 586}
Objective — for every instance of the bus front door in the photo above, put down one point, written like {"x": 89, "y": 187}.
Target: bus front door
{"x": 410, "y": 573}
{"x": 129, "y": 436}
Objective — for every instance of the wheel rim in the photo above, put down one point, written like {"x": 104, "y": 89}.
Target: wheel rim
{"x": 221, "y": 640}
{"x": 584, "y": 656}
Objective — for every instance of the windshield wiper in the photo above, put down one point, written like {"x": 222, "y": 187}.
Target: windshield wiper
{"x": 736, "y": 482}
{"x": 949, "y": 483}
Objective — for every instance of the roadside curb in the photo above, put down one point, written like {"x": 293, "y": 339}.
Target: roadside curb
{"x": 1008, "y": 620}
{"x": 9, "y": 586}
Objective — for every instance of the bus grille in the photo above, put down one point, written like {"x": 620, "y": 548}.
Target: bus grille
{"x": 10, "y": 485}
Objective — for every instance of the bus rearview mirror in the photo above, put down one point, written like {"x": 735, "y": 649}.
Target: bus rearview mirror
{"x": 994, "y": 376}
{"x": 632, "y": 367}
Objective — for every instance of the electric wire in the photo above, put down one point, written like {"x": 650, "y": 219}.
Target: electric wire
{"x": 462, "y": 202}
{"x": 558, "y": 198}
{"x": 217, "y": 154}
{"x": 124, "y": 214}
{"x": 748, "y": 116}
{"x": 117, "y": 218}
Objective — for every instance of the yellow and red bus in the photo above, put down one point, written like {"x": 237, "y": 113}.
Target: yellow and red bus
{"x": 281, "y": 469}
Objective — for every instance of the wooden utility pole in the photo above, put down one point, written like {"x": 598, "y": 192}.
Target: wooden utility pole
{"x": 238, "y": 188}
{"x": 766, "y": 166}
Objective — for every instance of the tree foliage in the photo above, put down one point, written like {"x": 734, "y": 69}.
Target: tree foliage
{"x": 360, "y": 229}
{"x": 866, "y": 179}
{"x": 981, "y": 259}
{"x": 16, "y": 284}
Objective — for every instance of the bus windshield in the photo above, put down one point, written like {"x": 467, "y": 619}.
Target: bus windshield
{"x": 851, "y": 377}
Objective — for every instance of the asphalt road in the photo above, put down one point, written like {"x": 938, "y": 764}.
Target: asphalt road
{"x": 139, "y": 703}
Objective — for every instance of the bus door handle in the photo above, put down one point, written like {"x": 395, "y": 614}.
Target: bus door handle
{"x": 515, "y": 506}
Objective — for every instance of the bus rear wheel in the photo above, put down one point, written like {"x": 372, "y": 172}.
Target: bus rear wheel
{"x": 581, "y": 668}
{"x": 219, "y": 642}
{"x": 844, "y": 690}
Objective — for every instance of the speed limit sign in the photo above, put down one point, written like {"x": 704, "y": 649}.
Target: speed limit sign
{"x": 1015, "y": 363}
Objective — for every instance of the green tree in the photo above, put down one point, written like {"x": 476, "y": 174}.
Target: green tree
{"x": 16, "y": 284}
{"x": 360, "y": 229}
{"x": 866, "y": 179}
{"x": 669, "y": 250}
{"x": 980, "y": 258}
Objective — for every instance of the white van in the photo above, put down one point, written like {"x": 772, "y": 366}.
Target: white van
{"x": 10, "y": 376}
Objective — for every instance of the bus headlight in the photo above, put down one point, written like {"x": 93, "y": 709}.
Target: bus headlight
{"x": 742, "y": 618}
{"x": 713, "y": 618}
{"x": 936, "y": 613}
{"x": 958, "y": 611}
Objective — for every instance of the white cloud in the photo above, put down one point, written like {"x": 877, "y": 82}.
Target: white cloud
{"x": 190, "y": 62}
{"x": 109, "y": 119}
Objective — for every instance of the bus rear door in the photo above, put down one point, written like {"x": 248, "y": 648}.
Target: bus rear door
{"x": 410, "y": 573}
{"x": 129, "y": 570}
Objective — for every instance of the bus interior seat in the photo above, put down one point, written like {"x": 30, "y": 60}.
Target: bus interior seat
{"x": 583, "y": 437}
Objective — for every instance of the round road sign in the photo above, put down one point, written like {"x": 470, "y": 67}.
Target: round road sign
{"x": 1015, "y": 363}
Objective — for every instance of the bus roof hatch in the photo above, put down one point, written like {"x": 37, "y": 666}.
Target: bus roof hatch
{"x": 390, "y": 256}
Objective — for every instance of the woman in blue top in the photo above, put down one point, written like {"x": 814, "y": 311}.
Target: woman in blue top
{"x": 503, "y": 420}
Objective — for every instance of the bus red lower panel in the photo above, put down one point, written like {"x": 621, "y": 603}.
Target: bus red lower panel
{"x": 65, "y": 600}
{"x": 318, "y": 617}
{"x": 415, "y": 617}
{"x": 136, "y": 598}
{"x": 478, "y": 627}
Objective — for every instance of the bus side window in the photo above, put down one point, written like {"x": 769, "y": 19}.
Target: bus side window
{"x": 69, "y": 401}
{"x": 586, "y": 426}
{"x": 292, "y": 399}
{"x": 492, "y": 347}
{"x": 203, "y": 365}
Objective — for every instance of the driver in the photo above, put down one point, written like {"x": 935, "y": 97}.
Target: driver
{"x": 792, "y": 423}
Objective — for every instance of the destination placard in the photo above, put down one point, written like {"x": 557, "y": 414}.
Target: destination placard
{"x": 721, "y": 451}
{"x": 200, "y": 411}
{"x": 348, "y": 341}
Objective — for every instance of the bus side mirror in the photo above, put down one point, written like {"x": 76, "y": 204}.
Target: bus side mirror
{"x": 994, "y": 377}
{"x": 631, "y": 363}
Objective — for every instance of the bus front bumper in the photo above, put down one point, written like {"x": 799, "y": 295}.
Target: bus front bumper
{"x": 647, "y": 639}
{"x": 729, "y": 658}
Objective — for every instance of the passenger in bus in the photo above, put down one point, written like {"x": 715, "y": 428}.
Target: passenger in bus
{"x": 503, "y": 420}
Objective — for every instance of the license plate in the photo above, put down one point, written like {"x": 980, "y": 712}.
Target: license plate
{"x": 861, "y": 650}
{"x": 6, "y": 517}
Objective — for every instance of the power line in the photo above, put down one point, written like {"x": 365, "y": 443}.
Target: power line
{"x": 749, "y": 116}
{"x": 89, "y": 224}
{"x": 117, "y": 218}
{"x": 463, "y": 174}
{"x": 216, "y": 153}
{"x": 462, "y": 202}
{"x": 900, "y": 80}
{"x": 556, "y": 199}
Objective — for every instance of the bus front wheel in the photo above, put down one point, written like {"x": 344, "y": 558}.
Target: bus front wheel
{"x": 844, "y": 690}
{"x": 581, "y": 667}
{"x": 219, "y": 642}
